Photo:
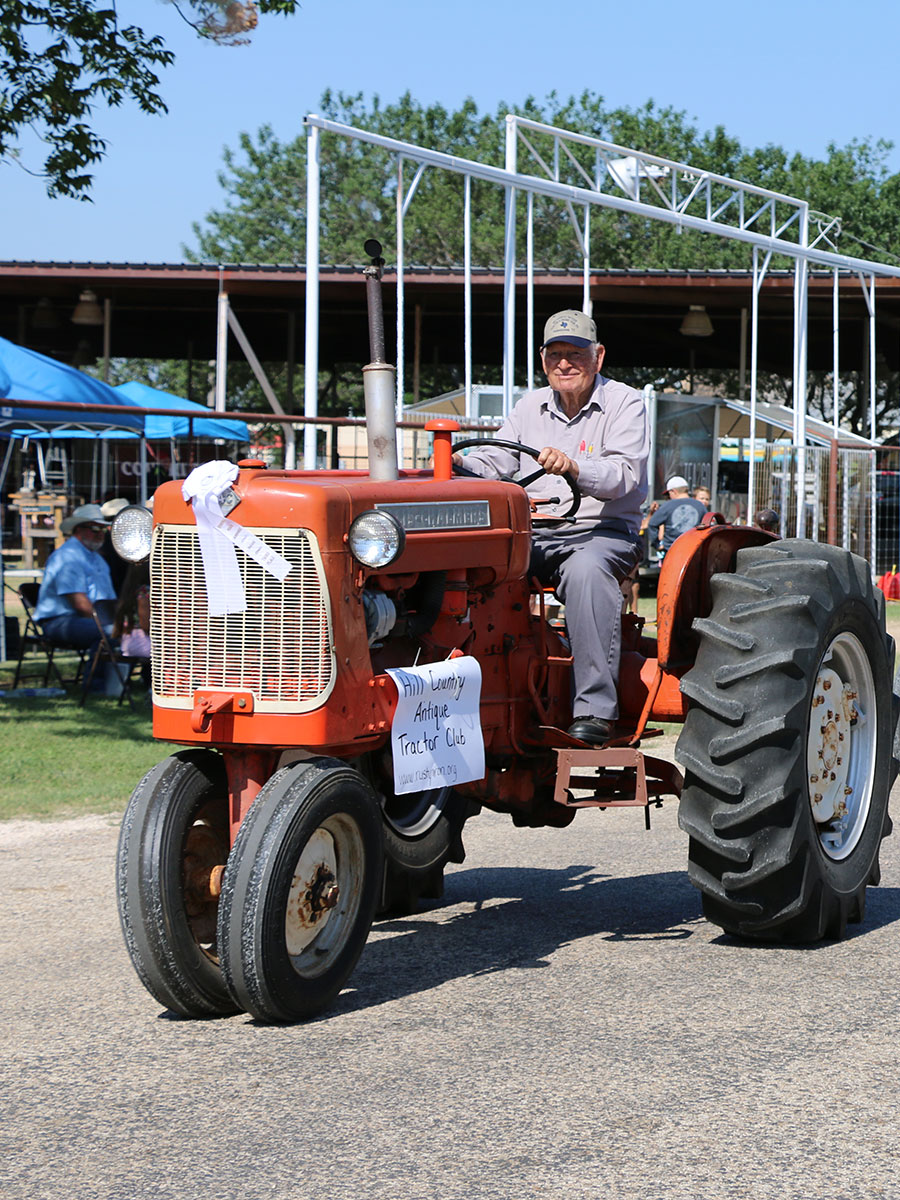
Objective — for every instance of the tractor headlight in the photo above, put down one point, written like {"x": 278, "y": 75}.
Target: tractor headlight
{"x": 131, "y": 533}
{"x": 376, "y": 539}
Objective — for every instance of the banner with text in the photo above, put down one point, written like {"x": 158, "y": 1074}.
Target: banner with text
{"x": 436, "y": 737}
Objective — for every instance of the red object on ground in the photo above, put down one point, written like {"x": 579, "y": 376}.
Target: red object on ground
{"x": 889, "y": 583}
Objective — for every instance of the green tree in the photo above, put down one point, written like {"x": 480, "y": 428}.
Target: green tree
{"x": 59, "y": 57}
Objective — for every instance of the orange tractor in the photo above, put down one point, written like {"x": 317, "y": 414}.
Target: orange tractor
{"x": 252, "y": 863}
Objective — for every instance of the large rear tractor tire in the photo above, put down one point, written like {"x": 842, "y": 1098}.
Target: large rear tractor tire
{"x": 300, "y": 890}
{"x": 787, "y": 746}
{"x": 172, "y": 846}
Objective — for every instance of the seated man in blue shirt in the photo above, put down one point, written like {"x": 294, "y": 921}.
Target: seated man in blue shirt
{"x": 77, "y": 583}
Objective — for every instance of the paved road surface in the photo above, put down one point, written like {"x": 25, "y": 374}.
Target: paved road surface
{"x": 563, "y": 1025}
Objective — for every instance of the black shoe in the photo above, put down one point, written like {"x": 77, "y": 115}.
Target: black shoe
{"x": 595, "y": 731}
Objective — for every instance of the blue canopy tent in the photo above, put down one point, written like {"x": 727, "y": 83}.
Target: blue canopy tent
{"x": 27, "y": 375}
{"x": 181, "y": 426}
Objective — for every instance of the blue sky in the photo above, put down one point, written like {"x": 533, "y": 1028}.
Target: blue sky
{"x": 793, "y": 72}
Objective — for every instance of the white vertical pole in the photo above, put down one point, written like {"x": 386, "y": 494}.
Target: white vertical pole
{"x": 801, "y": 289}
{"x": 221, "y": 346}
{"x": 401, "y": 313}
{"x": 586, "y": 305}
{"x": 872, "y": 427}
{"x": 650, "y": 402}
{"x": 754, "y": 360}
{"x": 872, "y": 380}
{"x": 311, "y": 351}
{"x": 835, "y": 350}
{"x": 509, "y": 273}
{"x": 529, "y": 297}
{"x": 467, "y": 290}
{"x": 742, "y": 358}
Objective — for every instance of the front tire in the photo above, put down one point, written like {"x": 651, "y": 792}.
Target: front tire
{"x": 787, "y": 746}
{"x": 300, "y": 890}
{"x": 173, "y": 836}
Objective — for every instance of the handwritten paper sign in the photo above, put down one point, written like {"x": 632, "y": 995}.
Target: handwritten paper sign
{"x": 436, "y": 737}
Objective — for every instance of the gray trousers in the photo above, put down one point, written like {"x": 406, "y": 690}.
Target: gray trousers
{"x": 586, "y": 572}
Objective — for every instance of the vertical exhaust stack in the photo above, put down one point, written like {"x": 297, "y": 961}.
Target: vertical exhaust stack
{"x": 378, "y": 378}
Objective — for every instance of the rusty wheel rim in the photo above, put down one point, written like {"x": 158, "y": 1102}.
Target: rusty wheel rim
{"x": 324, "y": 896}
{"x": 203, "y": 863}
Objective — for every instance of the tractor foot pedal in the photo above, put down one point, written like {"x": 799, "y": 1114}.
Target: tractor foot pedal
{"x": 613, "y": 777}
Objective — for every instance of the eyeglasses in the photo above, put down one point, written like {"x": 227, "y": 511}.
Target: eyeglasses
{"x": 576, "y": 357}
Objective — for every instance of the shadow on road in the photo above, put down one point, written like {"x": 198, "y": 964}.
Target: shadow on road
{"x": 519, "y": 916}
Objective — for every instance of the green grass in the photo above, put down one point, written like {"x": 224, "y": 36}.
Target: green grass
{"x": 61, "y": 760}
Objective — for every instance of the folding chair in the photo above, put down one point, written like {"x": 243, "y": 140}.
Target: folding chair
{"x": 106, "y": 652}
{"x": 33, "y": 638}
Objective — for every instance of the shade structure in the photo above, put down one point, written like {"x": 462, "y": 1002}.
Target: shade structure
{"x": 156, "y": 427}
{"x": 27, "y": 375}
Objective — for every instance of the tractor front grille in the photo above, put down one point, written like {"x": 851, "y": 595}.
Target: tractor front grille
{"x": 280, "y": 648}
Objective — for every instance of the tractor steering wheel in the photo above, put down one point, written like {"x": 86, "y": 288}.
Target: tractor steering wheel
{"x": 518, "y": 448}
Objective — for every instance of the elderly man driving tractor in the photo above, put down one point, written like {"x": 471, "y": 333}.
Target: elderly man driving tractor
{"x": 593, "y": 430}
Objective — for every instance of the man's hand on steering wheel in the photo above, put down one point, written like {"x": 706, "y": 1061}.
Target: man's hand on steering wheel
{"x": 551, "y": 462}
{"x": 556, "y": 462}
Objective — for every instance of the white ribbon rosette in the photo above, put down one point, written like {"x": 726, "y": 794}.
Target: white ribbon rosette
{"x": 218, "y": 537}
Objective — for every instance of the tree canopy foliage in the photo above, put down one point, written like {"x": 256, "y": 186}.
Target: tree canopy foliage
{"x": 263, "y": 217}
{"x": 58, "y": 58}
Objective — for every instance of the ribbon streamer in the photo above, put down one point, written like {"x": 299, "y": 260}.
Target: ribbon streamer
{"x": 218, "y": 537}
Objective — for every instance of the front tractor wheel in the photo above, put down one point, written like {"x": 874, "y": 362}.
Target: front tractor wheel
{"x": 300, "y": 890}
{"x": 172, "y": 849}
{"x": 788, "y": 743}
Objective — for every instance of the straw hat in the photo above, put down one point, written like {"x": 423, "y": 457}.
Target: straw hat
{"x": 86, "y": 514}
{"x": 111, "y": 507}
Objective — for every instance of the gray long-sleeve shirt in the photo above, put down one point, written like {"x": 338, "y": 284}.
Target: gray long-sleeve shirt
{"x": 609, "y": 438}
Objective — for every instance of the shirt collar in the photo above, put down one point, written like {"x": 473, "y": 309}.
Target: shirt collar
{"x": 551, "y": 403}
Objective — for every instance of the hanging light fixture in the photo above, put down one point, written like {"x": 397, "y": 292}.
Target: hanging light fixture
{"x": 87, "y": 311}
{"x": 44, "y": 315}
{"x": 696, "y": 322}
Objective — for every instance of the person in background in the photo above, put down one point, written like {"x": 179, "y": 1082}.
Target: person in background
{"x": 132, "y": 623}
{"x": 676, "y": 515}
{"x": 631, "y": 590}
{"x": 77, "y": 583}
{"x": 768, "y": 519}
{"x": 117, "y": 566}
{"x": 702, "y": 494}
